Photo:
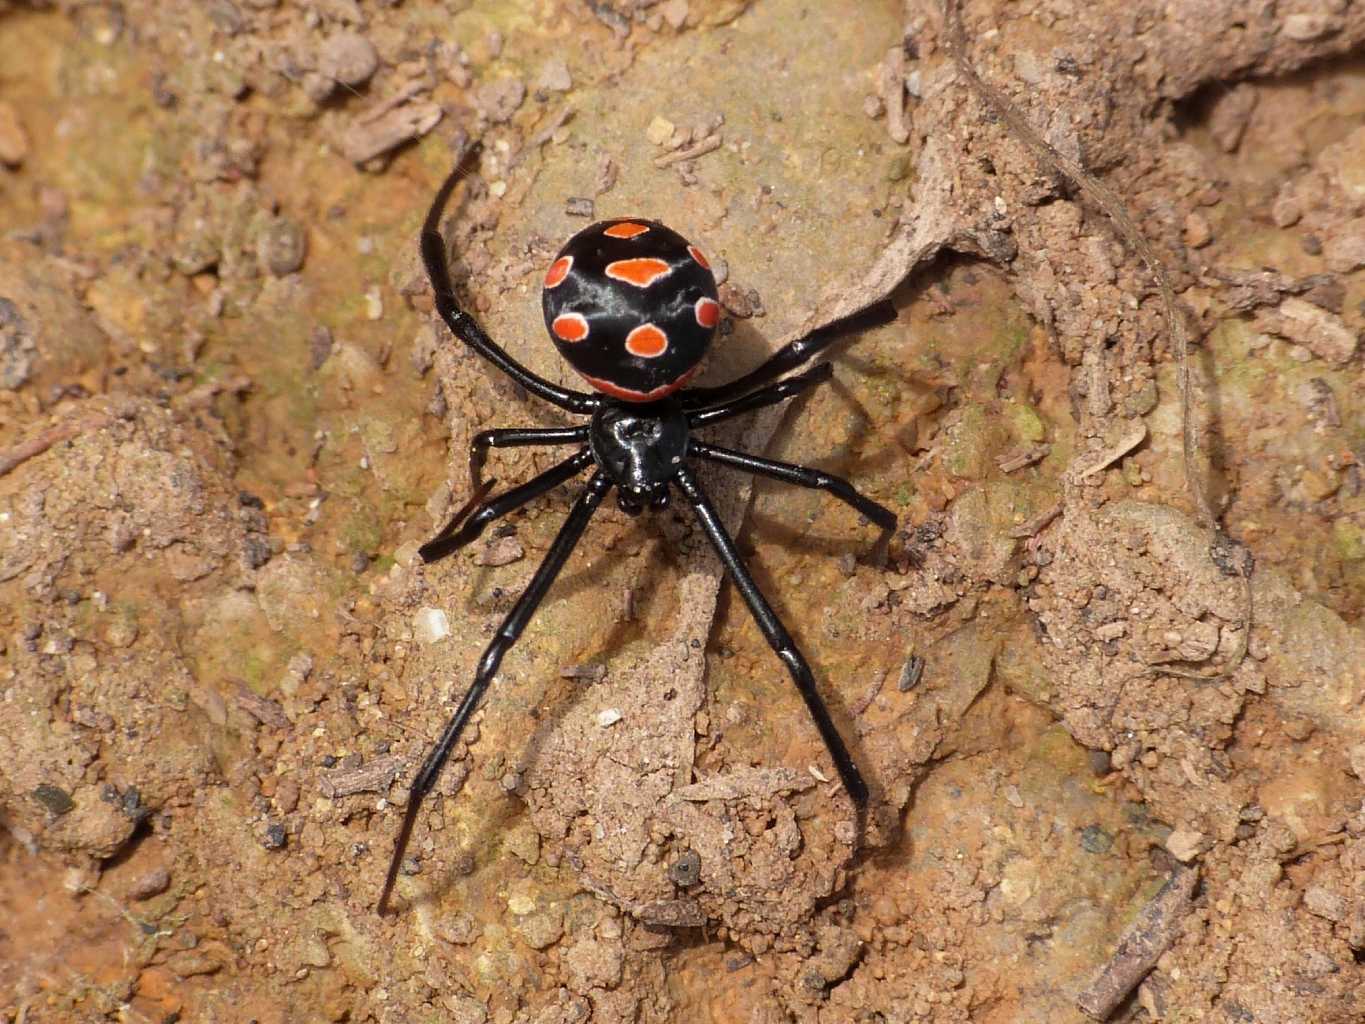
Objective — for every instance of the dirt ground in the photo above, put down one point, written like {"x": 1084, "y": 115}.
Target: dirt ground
{"x": 1107, "y": 687}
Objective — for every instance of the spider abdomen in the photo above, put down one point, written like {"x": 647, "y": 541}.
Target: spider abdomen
{"x": 632, "y": 306}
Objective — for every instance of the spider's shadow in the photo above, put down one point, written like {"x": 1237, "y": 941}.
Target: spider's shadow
{"x": 662, "y": 557}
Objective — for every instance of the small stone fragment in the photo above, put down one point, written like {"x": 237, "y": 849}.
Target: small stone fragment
{"x": 1356, "y": 756}
{"x": 1344, "y": 249}
{"x": 542, "y": 928}
{"x": 587, "y": 673}
{"x": 1197, "y": 232}
{"x": 153, "y": 883}
{"x": 554, "y": 76}
{"x": 686, "y": 870}
{"x": 608, "y": 717}
{"x": 1230, "y": 114}
{"x": 524, "y": 843}
{"x": 591, "y": 964}
{"x": 1185, "y": 844}
{"x": 1298, "y": 729}
{"x": 56, "y": 800}
{"x": 274, "y": 838}
{"x": 911, "y": 673}
{"x": 18, "y": 346}
{"x": 500, "y": 99}
{"x": 465, "y": 1009}
{"x": 1324, "y": 334}
{"x": 1096, "y": 840}
{"x": 281, "y": 247}
{"x": 458, "y": 929}
{"x": 1286, "y": 210}
{"x": 675, "y": 13}
{"x": 1304, "y": 28}
{"x": 660, "y": 130}
{"x": 1324, "y": 903}
{"x": 286, "y": 795}
{"x": 368, "y": 138}
{"x": 348, "y": 58}
{"x": 431, "y": 625}
{"x": 13, "y": 138}
{"x": 579, "y": 206}
{"x": 501, "y": 551}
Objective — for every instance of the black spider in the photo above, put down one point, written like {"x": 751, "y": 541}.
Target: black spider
{"x": 632, "y": 306}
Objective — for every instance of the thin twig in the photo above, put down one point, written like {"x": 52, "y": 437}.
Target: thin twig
{"x": 1113, "y": 207}
{"x": 706, "y": 145}
{"x": 1154, "y": 932}
{"x": 25, "y": 450}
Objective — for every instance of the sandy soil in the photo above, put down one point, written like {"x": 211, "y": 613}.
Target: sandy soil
{"x": 1107, "y": 687}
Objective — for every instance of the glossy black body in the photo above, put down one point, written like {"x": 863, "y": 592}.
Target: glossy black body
{"x": 640, "y": 448}
{"x": 612, "y": 307}
{"x": 643, "y": 449}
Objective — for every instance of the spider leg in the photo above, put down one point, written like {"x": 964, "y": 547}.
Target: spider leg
{"x": 516, "y": 437}
{"x": 801, "y": 476}
{"x": 466, "y": 525}
{"x": 465, "y": 327}
{"x": 792, "y": 355}
{"x": 505, "y": 637}
{"x": 770, "y": 395}
{"x": 778, "y": 638}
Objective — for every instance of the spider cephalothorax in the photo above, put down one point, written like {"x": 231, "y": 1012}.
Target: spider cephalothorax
{"x": 632, "y": 306}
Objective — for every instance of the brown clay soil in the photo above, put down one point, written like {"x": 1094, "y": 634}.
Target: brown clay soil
{"x": 1114, "y": 729}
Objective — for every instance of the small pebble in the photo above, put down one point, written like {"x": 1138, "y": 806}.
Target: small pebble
{"x": 1185, "y": 844}
{"x": 686, "y": 870}
{"x": 501, "y": 551}
{"x": 675, "y": 12}
{"x": 910, "y": 674}
{"x": 56, "y": 800}
{"x": 1304, "y": 28}
{"x": 589, "y": 673}
{"x": 1298, "y": 728}
{"x": 431, "y": 625}
{"x": 1323, "y": 902}
{"x": 274, "y": 838}
{"x": 348, "y": 58}
{"x": 281, "y": 247}
{"x": 13, "y": 139}
{"x": 660, "y": 130}
{"x": 500, "y": 99}
{"x": 153, "y": 883}
{"x": 579, "y": 206}
{"x": 554, "y": 76}
{"x": 374, "y": 303}
{"x": 458, "y": 929}
{"x": 542, "y": 929}
{"x": 1198, "y": 232}
{"x": 608, "y": 717}
{"x": 1096, "y": 840}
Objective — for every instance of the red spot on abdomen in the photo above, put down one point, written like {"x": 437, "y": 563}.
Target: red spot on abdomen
{"x": 570, "y": 327}
{"x": 558, "y": 271}
{"x": 647, "y": 341}
{"x": 641, "y": 272}
{"x": 696, "y": 255}
{"x": 626, "y": 229}
{"x": 708, "y": 312}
